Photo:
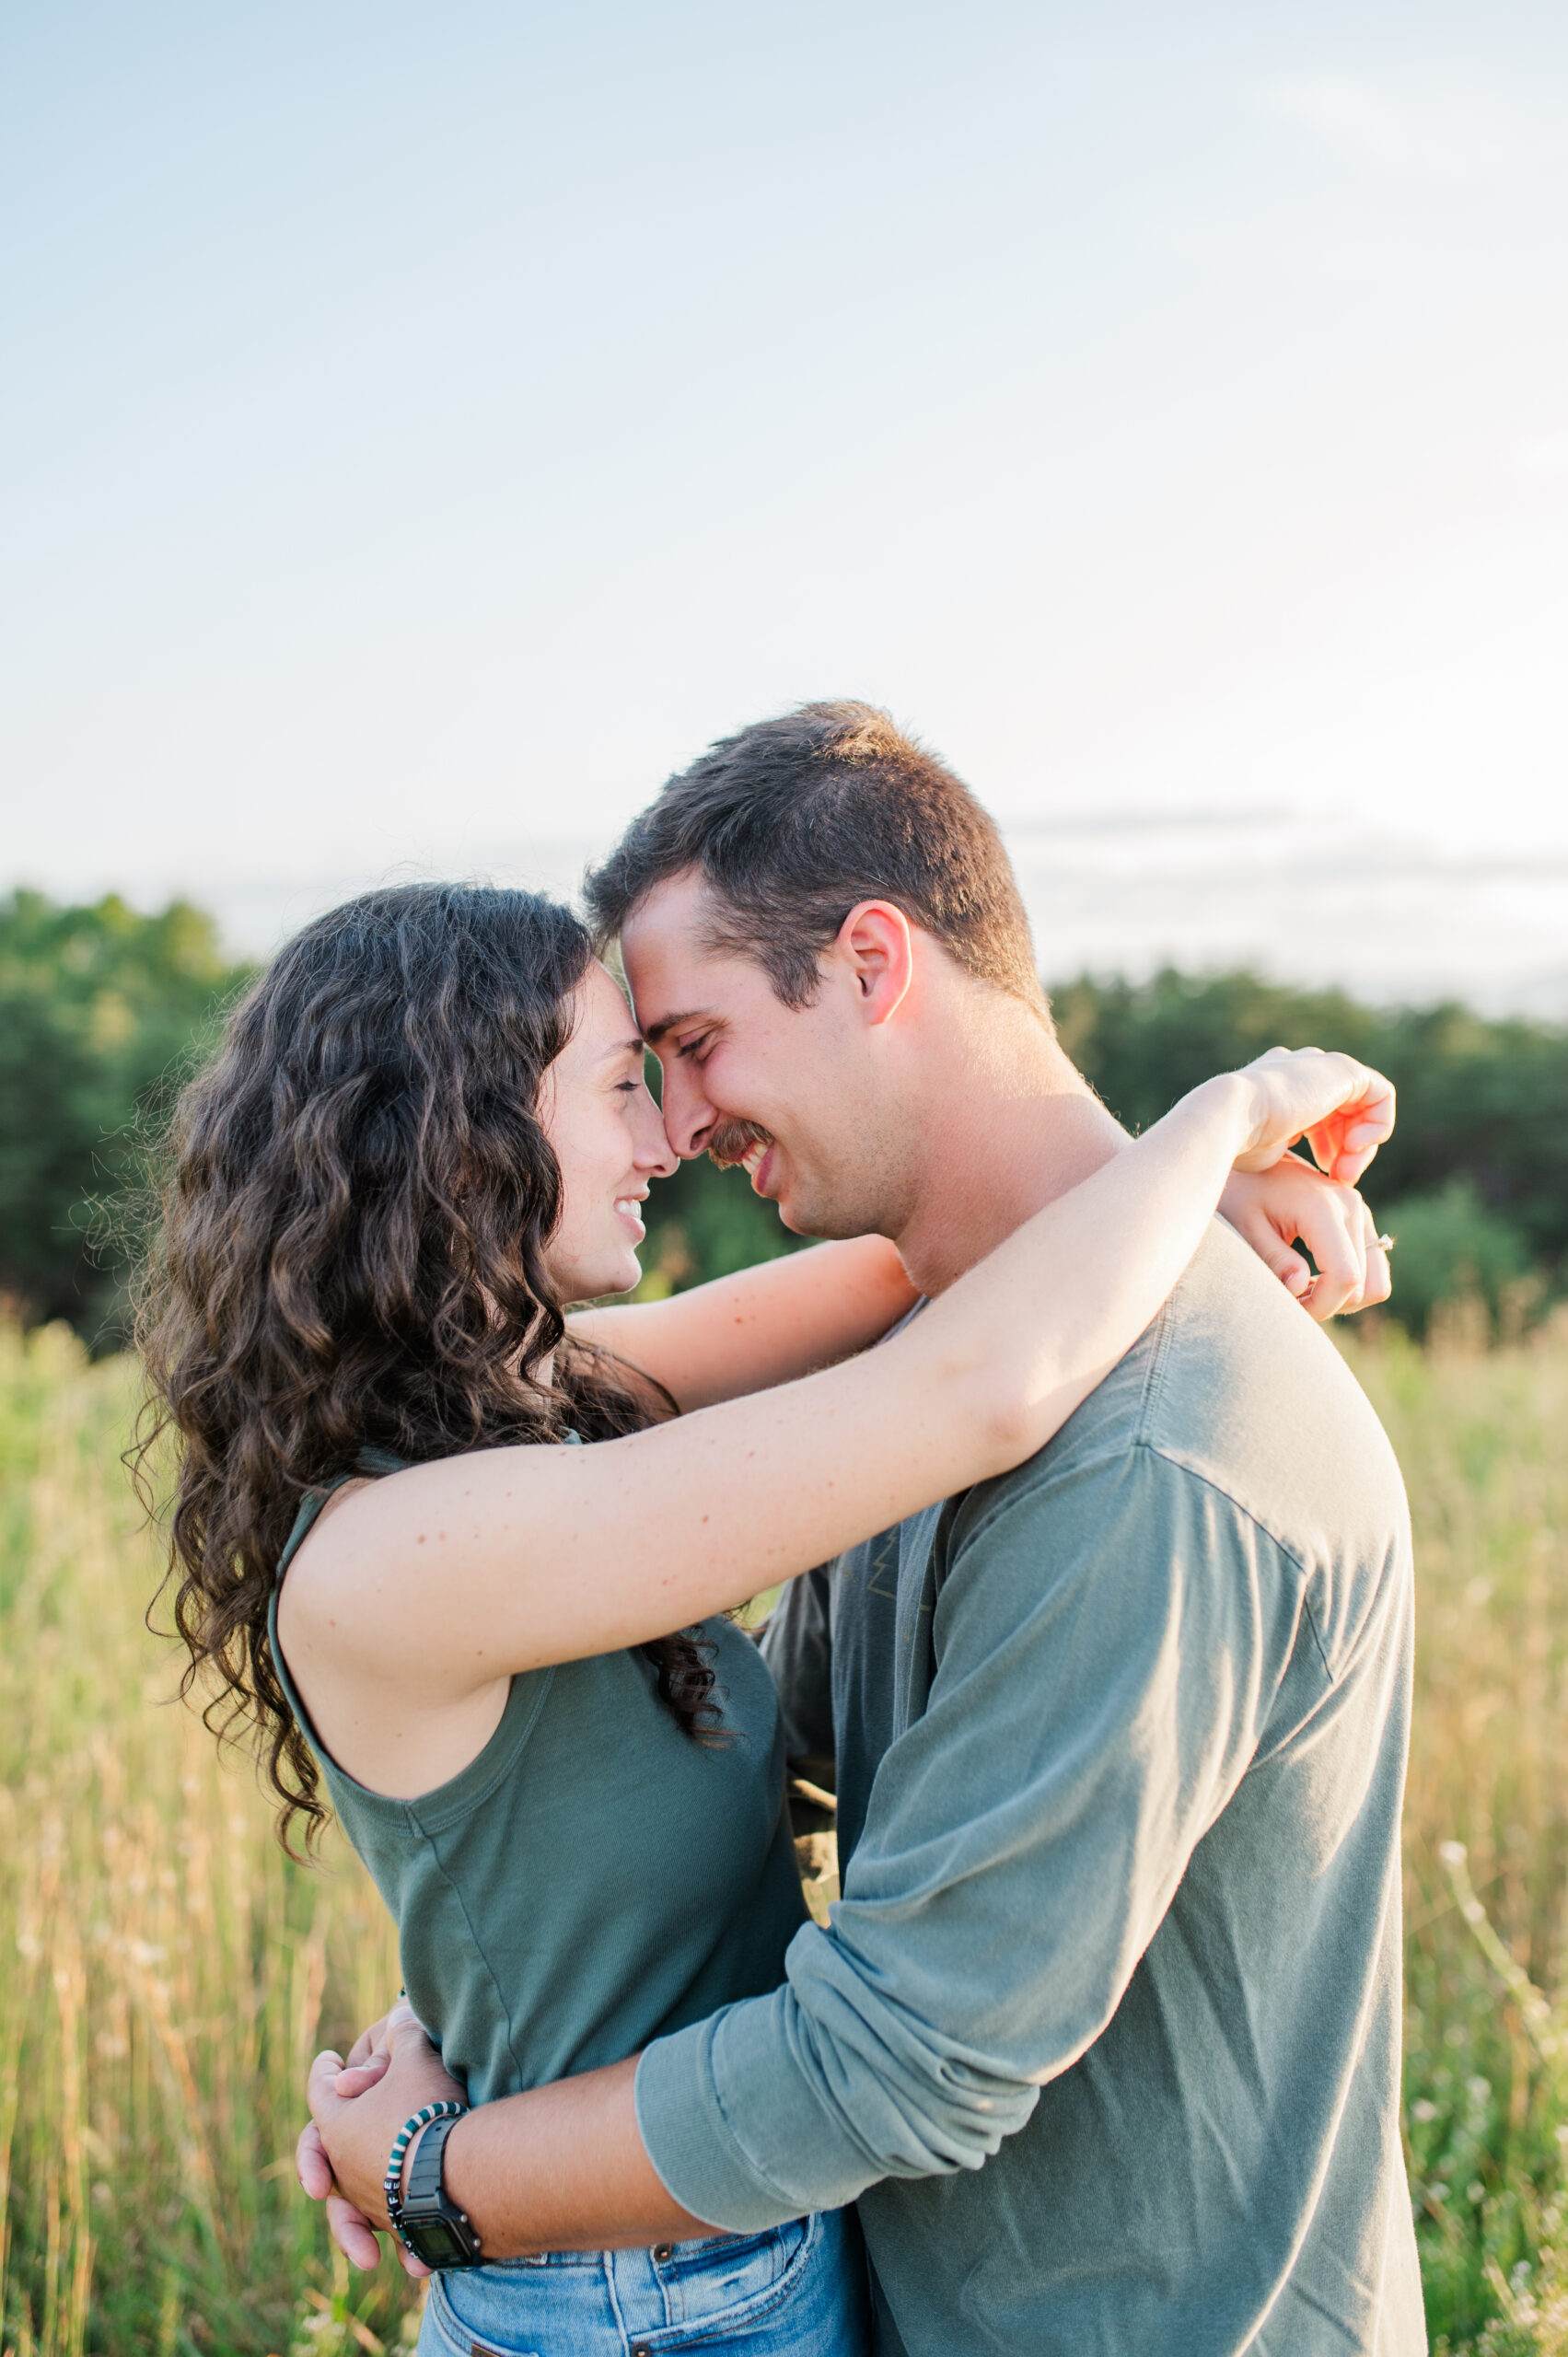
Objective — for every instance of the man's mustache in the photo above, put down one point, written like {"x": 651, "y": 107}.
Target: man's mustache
{"x": 731, "y": 1140}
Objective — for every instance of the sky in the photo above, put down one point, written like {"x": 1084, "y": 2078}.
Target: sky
{"x": 422, "y": 430}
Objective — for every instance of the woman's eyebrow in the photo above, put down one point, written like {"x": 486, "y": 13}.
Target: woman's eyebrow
{"x": 638, "y": 1047}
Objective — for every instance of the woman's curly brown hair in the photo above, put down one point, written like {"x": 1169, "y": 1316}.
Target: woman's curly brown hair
{"x": 356, "y": 1197}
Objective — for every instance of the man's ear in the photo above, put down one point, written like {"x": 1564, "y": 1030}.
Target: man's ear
{"x": 877, "y": 944}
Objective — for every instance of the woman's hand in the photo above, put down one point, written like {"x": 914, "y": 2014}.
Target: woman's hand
{"x": 1273, "y": 1209}
{"x": 341, "y": 2158}
{"x": 1344, "y": 1110}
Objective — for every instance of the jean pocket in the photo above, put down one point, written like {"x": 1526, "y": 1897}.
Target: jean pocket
{"x": 443, "y": 2332}
{"x": 734, "y": 2276}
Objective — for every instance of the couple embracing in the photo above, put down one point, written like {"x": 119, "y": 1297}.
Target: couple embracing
{"x": 1095, "y": 1581}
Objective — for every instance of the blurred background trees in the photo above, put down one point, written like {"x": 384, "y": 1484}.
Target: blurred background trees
{"x": 1473, "y": 1182}
{"x": 104, "y": 1010}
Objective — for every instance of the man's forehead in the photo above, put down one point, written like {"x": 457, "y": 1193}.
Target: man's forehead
{"x": 671, "y": 969}
{"x": 667, "y": 983}
{"x": 671, "y": 909}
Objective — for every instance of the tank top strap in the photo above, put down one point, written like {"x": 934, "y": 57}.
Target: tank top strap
{"x": 370, "y": 1463}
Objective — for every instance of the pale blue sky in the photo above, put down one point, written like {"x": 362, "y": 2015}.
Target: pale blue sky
{"x": 422, "y": 428}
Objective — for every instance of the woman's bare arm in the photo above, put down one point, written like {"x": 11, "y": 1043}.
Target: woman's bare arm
{"x": 436, "y": 1583}
{"x": 763, "y": 1326}
{"x": 808, "y": 1309}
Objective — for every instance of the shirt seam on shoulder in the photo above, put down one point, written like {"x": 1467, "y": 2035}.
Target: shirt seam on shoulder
{"x": 1282, "y": 1546}
{"x": 1154, "y": 1375}
{"x": 1317, "y": 1637}
{"x": 994, "y": 1507}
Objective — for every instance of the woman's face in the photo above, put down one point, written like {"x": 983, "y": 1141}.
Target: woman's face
{"x": 607, "y": 1136}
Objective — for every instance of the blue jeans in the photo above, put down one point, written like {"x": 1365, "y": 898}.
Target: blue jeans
{"x": 798, "y": 2290}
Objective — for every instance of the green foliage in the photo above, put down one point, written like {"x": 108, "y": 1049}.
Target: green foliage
{"x": 1452, "y": 1248}
{"x": 98, "y": 1007}
{"x": 1485, "y": 1104}
{"x": 101, "y": 1010}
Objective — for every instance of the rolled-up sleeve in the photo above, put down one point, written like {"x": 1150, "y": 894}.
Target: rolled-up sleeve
{"x": 1107, "y": 1640}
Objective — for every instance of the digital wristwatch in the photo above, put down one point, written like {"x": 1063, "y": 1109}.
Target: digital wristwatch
{"x": 426, "y": 2219}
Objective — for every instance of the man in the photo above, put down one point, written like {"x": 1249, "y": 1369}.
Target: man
{"x": 1104, "y": 2040}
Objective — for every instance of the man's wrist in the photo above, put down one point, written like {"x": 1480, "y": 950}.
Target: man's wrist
{"x": 436, "y": 2229}
{"x": 400, "y": 2168}
{"x": 406, "y": 2169}
{"x": 468, "y": 2195}
{"x": 560, "y": 2167}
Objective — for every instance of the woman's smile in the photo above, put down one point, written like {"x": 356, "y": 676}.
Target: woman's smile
{"x": 626, "y": 1206}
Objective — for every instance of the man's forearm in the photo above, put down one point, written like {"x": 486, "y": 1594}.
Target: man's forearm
{"x": 562, "y": 2167}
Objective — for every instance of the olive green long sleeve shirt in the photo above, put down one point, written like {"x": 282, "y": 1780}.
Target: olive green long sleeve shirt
{"x": 1105, "y": 2036}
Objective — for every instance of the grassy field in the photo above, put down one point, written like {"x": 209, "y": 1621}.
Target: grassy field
{"x": 166, "y": 1972}
{"x": 1480, "y": 1437}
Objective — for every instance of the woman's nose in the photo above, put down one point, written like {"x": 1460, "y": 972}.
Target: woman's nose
{"x": 655, "y": 1156}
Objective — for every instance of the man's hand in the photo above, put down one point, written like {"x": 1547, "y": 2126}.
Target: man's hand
{"x": 357, "y": 2108}
{"x": 1273, "y": 1209}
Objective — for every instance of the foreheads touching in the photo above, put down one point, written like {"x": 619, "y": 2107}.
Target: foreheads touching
{"x": 791, "y": 911}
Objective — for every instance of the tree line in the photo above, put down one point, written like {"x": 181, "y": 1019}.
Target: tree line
{"x": 104, "y": 1010}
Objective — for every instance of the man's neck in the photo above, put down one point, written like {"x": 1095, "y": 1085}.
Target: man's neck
{"x": 1011, "y": 1128}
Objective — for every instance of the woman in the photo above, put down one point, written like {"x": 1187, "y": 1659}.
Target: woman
{"x": 427, "y": 1130}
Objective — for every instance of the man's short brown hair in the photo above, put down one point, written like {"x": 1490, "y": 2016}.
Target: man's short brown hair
{"x": 795, "y": 820}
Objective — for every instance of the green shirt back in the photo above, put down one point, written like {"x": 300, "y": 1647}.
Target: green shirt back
{"x": 1104, "y": 2035}
{"x": 594, "y": 1878}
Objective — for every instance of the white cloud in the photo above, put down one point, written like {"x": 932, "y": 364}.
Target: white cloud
{"x": 1546, "y": 455}
{"x": 1444, "y": 139}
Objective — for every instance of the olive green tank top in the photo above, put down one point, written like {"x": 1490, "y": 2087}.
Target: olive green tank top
{"x": 593, "y": 1878}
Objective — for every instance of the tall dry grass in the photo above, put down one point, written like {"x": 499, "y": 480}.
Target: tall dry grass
{"x": 165, "y": 1972}
{"x": 1482, "y": 1437}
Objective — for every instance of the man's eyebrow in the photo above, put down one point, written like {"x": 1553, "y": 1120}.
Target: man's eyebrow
{"x": 654, "y": 1032}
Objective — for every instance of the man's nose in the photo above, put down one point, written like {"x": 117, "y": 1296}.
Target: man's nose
{"x": 688, "y": 1118}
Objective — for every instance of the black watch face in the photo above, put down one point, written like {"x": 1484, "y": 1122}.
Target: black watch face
{"x": 436, "y": 2242}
